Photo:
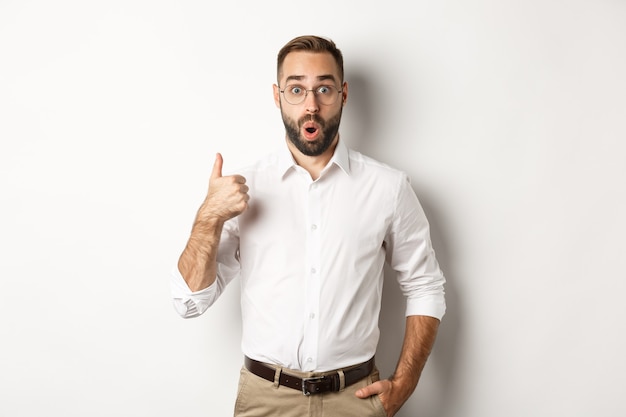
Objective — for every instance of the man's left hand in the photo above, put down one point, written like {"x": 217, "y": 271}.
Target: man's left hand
{"x": 391, "y": 394}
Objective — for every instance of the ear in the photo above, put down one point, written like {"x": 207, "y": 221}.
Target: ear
{"x": 276, "y": 95}
{"x": 344, "y": 94}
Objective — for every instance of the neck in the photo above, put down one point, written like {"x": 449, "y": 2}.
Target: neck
{"x": 313, "y": 164}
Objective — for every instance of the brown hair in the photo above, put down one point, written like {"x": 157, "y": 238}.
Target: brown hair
{"x": 310, "y": 44}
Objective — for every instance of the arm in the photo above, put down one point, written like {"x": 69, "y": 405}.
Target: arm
{"x": 227, "y": 197}
{"x": 419, "y": 339}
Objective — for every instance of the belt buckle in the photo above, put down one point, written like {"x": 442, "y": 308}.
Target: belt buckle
{"x": 314, "y": 380}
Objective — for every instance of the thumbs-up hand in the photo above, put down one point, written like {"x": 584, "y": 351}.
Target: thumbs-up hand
{"x": 227, "y": 196}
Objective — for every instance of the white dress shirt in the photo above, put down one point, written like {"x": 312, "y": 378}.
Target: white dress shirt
{"x": 309, "y": 256}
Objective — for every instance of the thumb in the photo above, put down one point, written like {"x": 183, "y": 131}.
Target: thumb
{"x": 372, "y": 389}
{"x": 217, "y": 166}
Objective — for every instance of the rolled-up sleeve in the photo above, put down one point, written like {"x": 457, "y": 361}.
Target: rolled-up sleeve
{"x": 411, "y": 255}
{"x": 189, "y": 304}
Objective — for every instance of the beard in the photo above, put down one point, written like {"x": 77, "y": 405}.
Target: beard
{"x": 328, "y": 131}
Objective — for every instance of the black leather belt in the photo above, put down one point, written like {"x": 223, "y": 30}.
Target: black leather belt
{"x": 316, "y": 385}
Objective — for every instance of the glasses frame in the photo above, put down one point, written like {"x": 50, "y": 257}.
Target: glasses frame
{"x": 314, "y": 91}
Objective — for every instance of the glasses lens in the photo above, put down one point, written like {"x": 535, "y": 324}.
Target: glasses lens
{"x": 326, "y": 94}
{"x": 294, "y": 94}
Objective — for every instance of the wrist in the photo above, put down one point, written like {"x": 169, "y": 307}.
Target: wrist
{"x": 406, "y": 383}
{"x": 207, "y": 221}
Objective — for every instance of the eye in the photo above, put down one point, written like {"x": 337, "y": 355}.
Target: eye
{"x": 324, "y": 89}
{"x": 296, "y": 90}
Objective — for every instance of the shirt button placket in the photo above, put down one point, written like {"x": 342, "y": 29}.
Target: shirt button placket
{"x": 313, "y": 249}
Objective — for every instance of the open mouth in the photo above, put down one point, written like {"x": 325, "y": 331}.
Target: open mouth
{"x": 310, "y": 130}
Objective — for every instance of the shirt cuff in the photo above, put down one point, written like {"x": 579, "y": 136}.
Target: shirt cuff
{"x": 189, "y": 303}
{"x": 431, "y": 305}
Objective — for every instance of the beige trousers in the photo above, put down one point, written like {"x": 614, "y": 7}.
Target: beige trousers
{"x": 257, "y": 397}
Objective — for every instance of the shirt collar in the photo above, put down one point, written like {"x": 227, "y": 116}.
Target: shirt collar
{"x": 340, "y": 158}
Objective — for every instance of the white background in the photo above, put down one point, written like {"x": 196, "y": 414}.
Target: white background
{"x": 509, "y": 117}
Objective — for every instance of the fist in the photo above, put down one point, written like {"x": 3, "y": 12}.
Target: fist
{"x": 227, "y": 196}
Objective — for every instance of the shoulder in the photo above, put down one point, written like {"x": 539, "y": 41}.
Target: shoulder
{"x": 267, "y": 162}
{"x": 361, "y": 164}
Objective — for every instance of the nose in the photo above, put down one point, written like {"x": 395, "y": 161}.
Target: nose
{"x": 310, "y": 102}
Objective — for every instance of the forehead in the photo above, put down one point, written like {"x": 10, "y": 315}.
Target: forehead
{"x": 305, "y": 65}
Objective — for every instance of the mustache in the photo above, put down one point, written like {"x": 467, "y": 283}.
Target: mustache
{"x": 311, "y": 118}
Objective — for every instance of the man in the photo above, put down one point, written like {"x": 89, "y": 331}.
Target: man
{"x": 307, "y": 231}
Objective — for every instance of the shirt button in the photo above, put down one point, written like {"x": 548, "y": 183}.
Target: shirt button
{"x": 313, "y": 270}
{"x": 313, "y": 227}
{"x": 312, "y": 316}
{"x": 309, "y": 359}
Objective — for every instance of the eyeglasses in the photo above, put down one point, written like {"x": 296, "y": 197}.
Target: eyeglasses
{"x": 325, "y": 94}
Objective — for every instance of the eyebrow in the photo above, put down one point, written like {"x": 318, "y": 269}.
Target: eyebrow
{"x": 319, "y": 78}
